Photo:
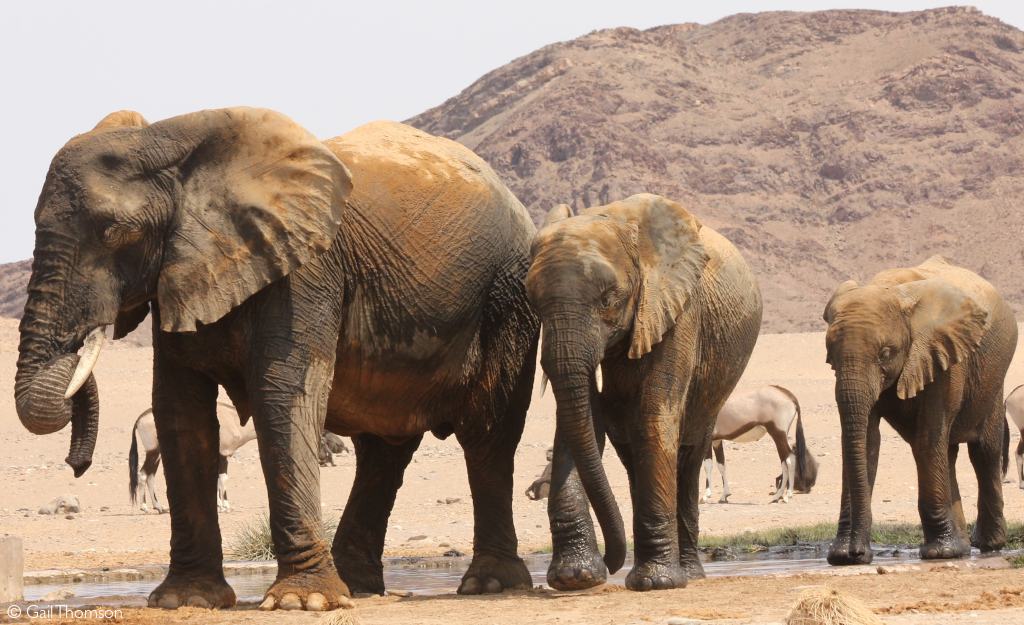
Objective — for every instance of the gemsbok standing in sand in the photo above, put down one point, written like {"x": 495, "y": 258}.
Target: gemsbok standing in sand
{"x": 232, "y": 436}
{"x": 1015, "y": 412}
{"x": 746, "y": 417}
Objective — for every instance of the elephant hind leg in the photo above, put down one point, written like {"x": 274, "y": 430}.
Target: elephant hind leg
{"x": 359, "y": 541}
{"x": 687, "y": 512}
{"x": 956, "y": 503}
{"x": 490, "y": 463}
{"x": 986, "y": 458}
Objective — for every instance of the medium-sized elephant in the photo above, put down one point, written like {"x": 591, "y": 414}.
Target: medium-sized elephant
{"x": 926, "y": 348}
{"x": 669, "y": 311}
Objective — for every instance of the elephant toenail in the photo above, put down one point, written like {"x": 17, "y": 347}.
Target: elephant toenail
{"x": 291, "y": 601}
{"x": 316, "y": 602}
{"x": 168, "y": 601}
{"x": 269, "y": 603}
{"x": 492, "y": 586}
{"x": 470, "y": 586}
{"x": 195, "y": 601}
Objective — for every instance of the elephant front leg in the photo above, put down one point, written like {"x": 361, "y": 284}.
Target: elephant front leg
{"x": 839, "y": 551}
{"x": 359, "y": 541}
{"x": 289, "y": 403}
{"x": 184, "y": 408}
{"x": 576, "y": 562}
{"x": 942, "y": 537}
{"x": 654, "y": 441}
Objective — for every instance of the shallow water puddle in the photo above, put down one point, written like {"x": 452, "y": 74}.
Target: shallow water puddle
{"x": 430, "y": 576}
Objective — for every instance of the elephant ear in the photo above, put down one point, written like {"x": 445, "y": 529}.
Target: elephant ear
{"x": 946, "y": 325}
{"x": 557, "y": 213}
{"x": 671, "y": 259}
{"x": 259, "y": 196}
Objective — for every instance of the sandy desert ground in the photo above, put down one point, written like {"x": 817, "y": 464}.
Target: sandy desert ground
{"x": 108, "y": 532}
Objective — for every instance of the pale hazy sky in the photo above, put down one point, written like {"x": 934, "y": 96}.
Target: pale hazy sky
{"x": 329, "y": 65}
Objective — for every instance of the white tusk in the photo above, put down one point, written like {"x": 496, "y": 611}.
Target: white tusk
{"x": 543, "y": 383}
{"x": 87, "y": 358}
{"x": 598, "y": 378}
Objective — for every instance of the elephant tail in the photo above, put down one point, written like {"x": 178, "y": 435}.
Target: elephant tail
{"x": 133, "y": 463}
{"x": 1006, "y": 446}
{"x": 801, "y": 440}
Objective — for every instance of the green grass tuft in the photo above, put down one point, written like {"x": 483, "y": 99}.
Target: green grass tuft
{"x": 895, "y": 534}
{"x": 252, "y": 541}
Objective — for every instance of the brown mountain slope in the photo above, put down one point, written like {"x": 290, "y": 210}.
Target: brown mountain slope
{"x": 826, "y": 145}
{"x": 13, "y": 282}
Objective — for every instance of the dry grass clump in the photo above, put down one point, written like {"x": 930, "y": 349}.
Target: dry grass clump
{"x": 339, "y": 617}
{"x": 822, "y": 606}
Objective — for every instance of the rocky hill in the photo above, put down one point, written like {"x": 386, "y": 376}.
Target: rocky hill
{"x": 13, "y": 292}
{"x": 826, "y": 145}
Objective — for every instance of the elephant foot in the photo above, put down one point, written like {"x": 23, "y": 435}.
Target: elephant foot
{"x": 363, "y": 580}
{"x": 315, "y": 590}
{"x": 692, "y": 566}
{"x": 577, "y": 572}
{"x": 843, "y": 553}
{"x": 655, "y": 576}
{"x": 194, "y": 590}
{"x": 988, "y": 540}
{"x": 945, "y": 549}
{"x": 490, "y": 574}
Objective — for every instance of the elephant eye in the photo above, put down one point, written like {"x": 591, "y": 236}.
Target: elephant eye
{"x": 885, "y": 354}
{"x": 610, "y": 298}
{"x": 111, "y": 161}
{"x": 121, "y": 234}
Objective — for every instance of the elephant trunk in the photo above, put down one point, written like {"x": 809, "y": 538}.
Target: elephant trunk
{"x": 572, "y": 377}
{"x": 855, "y": 399}
{"x": 45, "y": 372}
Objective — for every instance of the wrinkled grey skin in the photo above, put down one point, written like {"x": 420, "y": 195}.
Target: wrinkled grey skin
{"x": 926, "y": 348}
{"x": 670, "y": 313}
{"x": 380, "y": 312}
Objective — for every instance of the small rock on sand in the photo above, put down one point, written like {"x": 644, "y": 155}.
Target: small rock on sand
{"x": 58, "y": 595}
{"x": 61, "y": 504}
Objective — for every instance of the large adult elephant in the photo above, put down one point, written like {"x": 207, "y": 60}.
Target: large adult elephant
{"x": 927, "y": 349}
{"x": 669, "y": 312}
{"x": 391, "y": 308}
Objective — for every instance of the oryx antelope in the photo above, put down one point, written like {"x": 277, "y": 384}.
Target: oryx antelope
{"x": 232, "y": 436}
{"x": 746, "y": 417}
{"x": 1015, "y": 412}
